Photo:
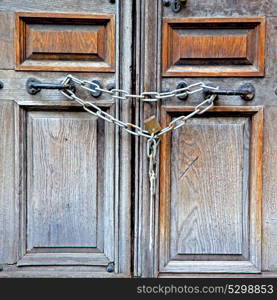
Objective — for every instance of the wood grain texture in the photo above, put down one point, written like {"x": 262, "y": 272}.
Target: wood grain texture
{"x": 228, "y": 8}
{"x": 65, "y": 42}
{"x": 181, "y": 221}
{"x": 63, "y": 259}
{"x": 270, "y": 195}
{"x": 209, "y": 193}
{"x": 113, "y": 211}
{"x": 62, "y": 180}
{"x": 7, "y": 51}
{"x": 213, "y": 47}
{"x": 59, "y": 209}
{"x": 222, "y": 47}
{"x": 70, "y": 6}
{"x": 9, "y": 226}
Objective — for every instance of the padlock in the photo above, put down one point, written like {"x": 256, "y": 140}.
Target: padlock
{"x": 152, "y": 125}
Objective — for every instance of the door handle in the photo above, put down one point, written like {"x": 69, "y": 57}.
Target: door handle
{"x": 176, "y": 5}
{"x": 246, "y": 92}
{"x": 34, "y": 86}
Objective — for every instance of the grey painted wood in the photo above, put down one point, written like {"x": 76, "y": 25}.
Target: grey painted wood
{"x": 207, "y": 196}
{"x": 8, "y": 206}
{"x": 62, "y": 180}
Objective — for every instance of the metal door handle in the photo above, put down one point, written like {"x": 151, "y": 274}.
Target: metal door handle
{"x": 246, "y": 92}
{"x": 34, "y": 86}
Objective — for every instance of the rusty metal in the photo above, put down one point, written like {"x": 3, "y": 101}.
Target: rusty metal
{"x": 34, "y": 86}
{"x": 152, "y": 125}
{"x": 246, "y": 92}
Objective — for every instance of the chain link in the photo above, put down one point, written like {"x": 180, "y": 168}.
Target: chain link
{"x": 153, "y": 140}
{"x": 145, "y": 96}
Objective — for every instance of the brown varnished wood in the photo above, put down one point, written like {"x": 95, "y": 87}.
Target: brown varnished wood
{"x": 209, "y": 47}
{"x": 212, "y": 52}
{"x": 65, "y": 42}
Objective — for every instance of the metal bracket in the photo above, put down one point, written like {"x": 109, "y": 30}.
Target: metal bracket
{"x": 246, "y": 92}
{"x": 181, "y": 85}
{"x": 176, "y": 5}
{"x": 95, "y": 93}
{"x": 34, "y": 86}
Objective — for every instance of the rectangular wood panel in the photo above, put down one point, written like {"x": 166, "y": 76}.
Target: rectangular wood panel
{"x": 213, "y": 46}
{"x": 210, "y": 184}
{"x": 62, "y": 180}
{"x": 65, "y": 42}
{"x": 66, "y": 170}
{"x": 8, "y": 206}
{"x": 207, "y": 189}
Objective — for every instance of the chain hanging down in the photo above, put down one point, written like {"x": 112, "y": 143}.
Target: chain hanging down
{"x": 153, "y": 140}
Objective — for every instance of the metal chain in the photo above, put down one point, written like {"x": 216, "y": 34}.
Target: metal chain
{"x": 145, "y": 96}
{"x": 153, "y": 140}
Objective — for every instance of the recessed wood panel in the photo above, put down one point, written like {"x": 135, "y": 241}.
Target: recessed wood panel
{"x": 62, "y": 152}
{"x": 63, "y": 42}
{"x": 213, "y": 47}
{"x": 211, "y": 192}
{"x": 66, "y": 211}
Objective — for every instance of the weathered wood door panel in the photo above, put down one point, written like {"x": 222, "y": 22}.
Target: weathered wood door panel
{"x": 210, "y": 192}
{"x": 64, "y": 211}
{"x": 215, "y": 210}
{"x": 71, "y": 183}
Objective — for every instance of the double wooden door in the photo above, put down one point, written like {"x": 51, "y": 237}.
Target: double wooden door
{"x": 74, "y": 194}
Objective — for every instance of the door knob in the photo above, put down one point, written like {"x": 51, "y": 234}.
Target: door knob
{"x": 246, "y": 92}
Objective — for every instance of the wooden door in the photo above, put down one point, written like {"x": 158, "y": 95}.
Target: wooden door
{"x": 74, "y": 190}
{"x": 215, "y": 212}
{"x": 64, "y": 174}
